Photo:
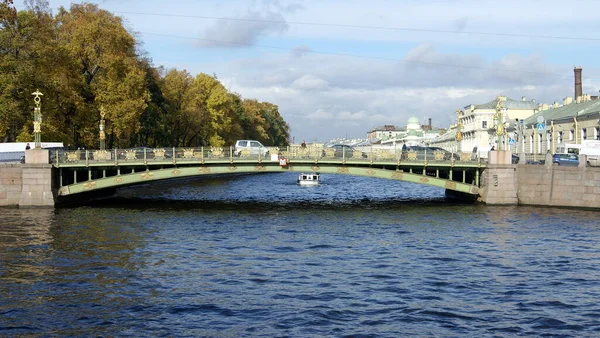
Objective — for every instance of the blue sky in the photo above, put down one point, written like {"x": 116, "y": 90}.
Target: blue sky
{"x": 339, "y": 68}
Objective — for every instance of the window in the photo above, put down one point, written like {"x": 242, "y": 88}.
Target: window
{"x": 597, "y": 133}
{"x": 531, "y": 144}
{"x": 560, "y": 137}
{"x": 571, "y": 136}
{"x": 484, "y": 124}
{"x": 583, "y": 134}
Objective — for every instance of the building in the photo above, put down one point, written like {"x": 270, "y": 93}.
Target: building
{"x": 573, "y": 121}
{"x": 388, "y": 131}
{"x": 447, "y": 140}
{"x": 482, "y": 127}
{"x": 414, "y": 134}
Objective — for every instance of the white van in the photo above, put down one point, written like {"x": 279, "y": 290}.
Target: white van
{"x": 249, "y": 148}
{"x": 591, "y": 149}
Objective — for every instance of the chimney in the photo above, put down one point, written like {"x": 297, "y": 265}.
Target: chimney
{"x": 578, "y": 90}
{"x": 430, "y": 123}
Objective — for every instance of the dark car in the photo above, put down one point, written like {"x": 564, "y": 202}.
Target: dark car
{"x": 430, "y": 153}
{"x": 565, "y": 159}
{"x": 448, "y": 155}
{"x": 346, "y": 151}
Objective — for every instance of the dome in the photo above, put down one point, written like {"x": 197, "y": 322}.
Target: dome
{"x": 412, "y": 132}
{"x": 413, "y": 120}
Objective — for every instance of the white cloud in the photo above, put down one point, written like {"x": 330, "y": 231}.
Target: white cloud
{"x": 309, "y": 83}
{"x": 243, "y": 32}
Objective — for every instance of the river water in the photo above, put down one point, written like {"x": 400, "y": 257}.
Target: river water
{"x": 259, "y": 256}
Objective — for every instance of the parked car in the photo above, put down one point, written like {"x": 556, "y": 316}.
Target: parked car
{"x": 448, "y": 155}
{"x": 346, "y": 151}
{"x": 565, "y": 159}
{"x": 249, "y": 147}
{"x": 431, "y": 152}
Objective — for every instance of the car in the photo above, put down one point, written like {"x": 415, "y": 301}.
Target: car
{"x": 249, "y": 147}
{"x": 431, "y": 153}
{"x": 448, "y": 155}
{"x": 565, "y": 159}
{"x": 346, "y": 151}
{"x": 514, "y": 158}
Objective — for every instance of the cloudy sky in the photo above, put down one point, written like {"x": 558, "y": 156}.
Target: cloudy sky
{"x": 337, "y": 68}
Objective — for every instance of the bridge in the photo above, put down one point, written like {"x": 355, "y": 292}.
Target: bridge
{"x": 83, "y": 171}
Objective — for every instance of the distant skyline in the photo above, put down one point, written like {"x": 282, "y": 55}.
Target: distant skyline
{"x": 339, "y": 68}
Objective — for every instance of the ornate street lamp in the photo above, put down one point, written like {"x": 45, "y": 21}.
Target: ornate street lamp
{"x": 37, "y": 119}
{"x": 102, "y": 134}
{"x": 459, "y": 134}
{"x": 499, "y": 120}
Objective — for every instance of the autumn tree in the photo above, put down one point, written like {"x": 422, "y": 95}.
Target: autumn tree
{"x": 102, "y": 58}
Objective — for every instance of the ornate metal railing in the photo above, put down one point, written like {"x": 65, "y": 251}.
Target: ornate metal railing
{"x": 228, "y": 154}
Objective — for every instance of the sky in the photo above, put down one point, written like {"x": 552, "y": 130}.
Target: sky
{"x": 339, "y": 68}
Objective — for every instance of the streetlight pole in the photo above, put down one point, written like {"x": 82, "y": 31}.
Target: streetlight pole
{"x": 102, "y": 134}
{"x": 37, "y": 119}
{"x": 459, "y": 135}
{"x": 499, "y": 120}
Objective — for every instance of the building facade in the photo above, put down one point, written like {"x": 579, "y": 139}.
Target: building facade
{"x": 575, "y": 121}
{"x": 482, "y": 127}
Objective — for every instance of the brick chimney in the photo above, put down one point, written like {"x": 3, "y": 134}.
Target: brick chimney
{"x": 430, "y": 123}
{"x": 578, "y": 90}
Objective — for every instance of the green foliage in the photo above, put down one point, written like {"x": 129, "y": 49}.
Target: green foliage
{"x": 83, "y": 59}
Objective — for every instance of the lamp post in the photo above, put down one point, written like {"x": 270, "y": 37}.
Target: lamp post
{"x": 499, "y": 121}
{"x": 37, "y": 119}
{"x": 459, "y": 134}
{"x": 102, "y": 135}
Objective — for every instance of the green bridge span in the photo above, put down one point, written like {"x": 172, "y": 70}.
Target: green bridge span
{"x": 86, "y": 171}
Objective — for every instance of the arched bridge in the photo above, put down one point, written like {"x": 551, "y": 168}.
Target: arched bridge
{"x": 83, "y": 171}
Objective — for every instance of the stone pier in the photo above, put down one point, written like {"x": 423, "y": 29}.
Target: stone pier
{"x": 498, "y": 181}
{"x": 36, "y": 175}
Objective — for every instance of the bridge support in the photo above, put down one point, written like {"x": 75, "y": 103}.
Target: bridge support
{"x": 37, "y": 190}
{"x": 499, "y": 180}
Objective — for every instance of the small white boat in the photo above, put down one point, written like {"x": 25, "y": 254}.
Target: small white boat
{"x": 309, "y": 179}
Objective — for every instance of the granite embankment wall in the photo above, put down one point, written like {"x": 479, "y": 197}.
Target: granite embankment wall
{"x": 11, "y": 184}
{"x": 26, "y": 185}
{"x": 558, "y": 186}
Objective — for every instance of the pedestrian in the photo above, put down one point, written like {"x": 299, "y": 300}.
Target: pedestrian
{"x": 27, "y": 147}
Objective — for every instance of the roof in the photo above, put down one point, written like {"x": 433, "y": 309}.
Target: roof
{"x": 566, "y": 112}
{"x": 508, "y": 103}
{"x": 413, "y": 120}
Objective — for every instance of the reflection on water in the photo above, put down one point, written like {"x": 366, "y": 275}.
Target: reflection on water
{"x": 261, "y": 256}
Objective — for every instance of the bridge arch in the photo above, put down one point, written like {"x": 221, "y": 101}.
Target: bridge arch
{"x": 148, "y": 176}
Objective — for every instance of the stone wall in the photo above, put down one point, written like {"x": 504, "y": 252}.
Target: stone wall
{"x": 37, "y": 186}
{"x": 554, "y": 185}
{"x": 558, "y": 186}
{"x": 498, "y": 185}
{"x": 11, "y": 184}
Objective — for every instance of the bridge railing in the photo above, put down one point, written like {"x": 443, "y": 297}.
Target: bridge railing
{"x": 292, "y": 153}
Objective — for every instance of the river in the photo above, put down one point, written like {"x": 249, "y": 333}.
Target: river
{"x": 259, "y": 256}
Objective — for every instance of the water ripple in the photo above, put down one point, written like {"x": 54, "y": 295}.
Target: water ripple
{"x": 257, "y": 256}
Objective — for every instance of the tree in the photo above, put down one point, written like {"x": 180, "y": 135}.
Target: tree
{"x": 104, "y": 63}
